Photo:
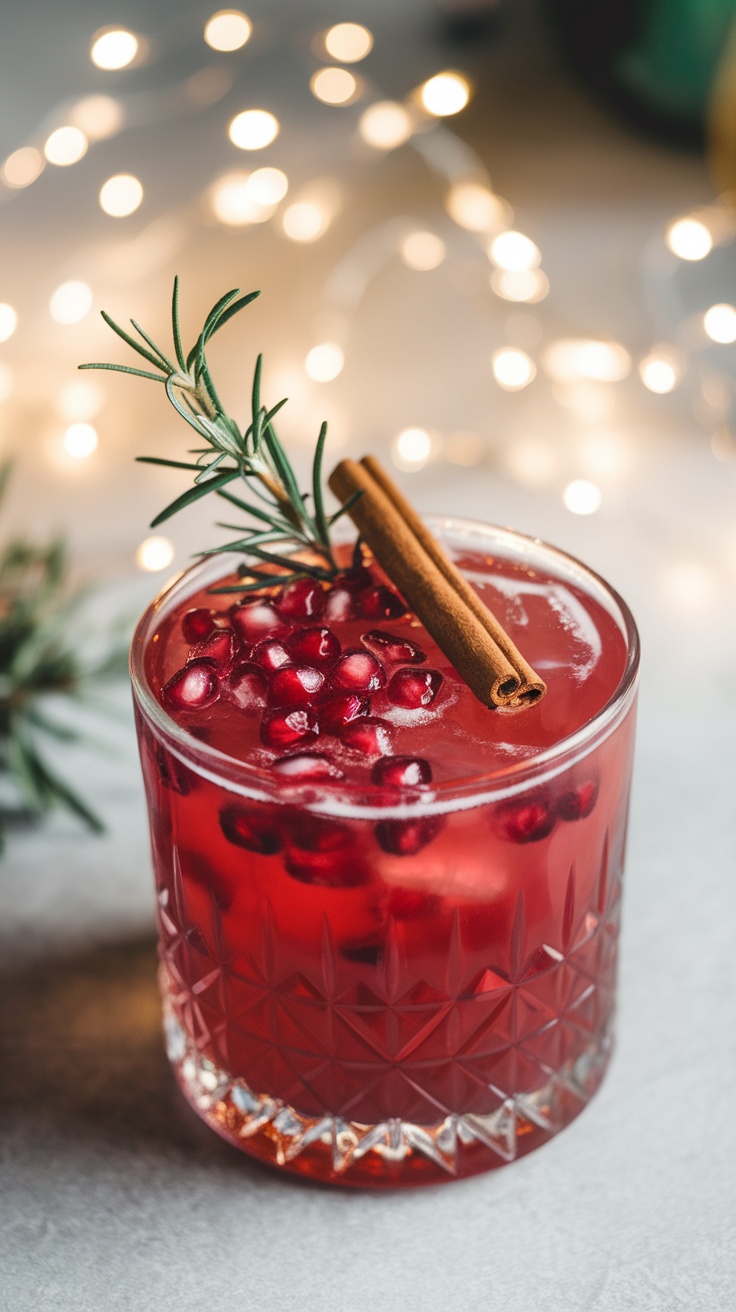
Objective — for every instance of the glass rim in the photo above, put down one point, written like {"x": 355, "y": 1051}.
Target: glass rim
{"x": 362, "y": 800}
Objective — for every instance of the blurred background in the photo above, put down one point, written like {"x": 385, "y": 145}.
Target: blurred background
{"x": 496, "y": 246}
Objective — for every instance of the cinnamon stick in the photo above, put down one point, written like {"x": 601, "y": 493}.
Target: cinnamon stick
{"x": 531, "y": 688}
{"x": 455, "y": 624}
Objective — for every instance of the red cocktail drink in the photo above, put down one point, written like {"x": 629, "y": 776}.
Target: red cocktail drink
{"x": 388, "y": 915}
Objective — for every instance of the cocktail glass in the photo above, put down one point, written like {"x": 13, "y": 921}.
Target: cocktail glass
{"x": 381, "y": 992}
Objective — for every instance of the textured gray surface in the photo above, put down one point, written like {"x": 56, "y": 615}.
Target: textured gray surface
{"x": 113, "y": 1195}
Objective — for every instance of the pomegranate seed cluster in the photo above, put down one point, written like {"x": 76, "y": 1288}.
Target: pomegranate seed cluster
{"x": 278, "y": 658}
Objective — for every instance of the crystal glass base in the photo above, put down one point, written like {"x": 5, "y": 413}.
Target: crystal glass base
{"x": 394, "y": 1151}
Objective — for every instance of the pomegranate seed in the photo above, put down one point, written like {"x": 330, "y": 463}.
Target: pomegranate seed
{"x": 306, "y": 766}
{"x": 252, "y": 827}
{"x": 295, "y": 685}
{"x": 270, "y": 655}
{"x": 301, "y": 600}
{"x": 283, "y": 729}
{"x": 174, "y": 775}
{"x": 256, "y": 620}
{"x": 368, "y": 735}
{"x": 193, "y": 687}
{"x": 357, "y": 580}
{"x": 526, "y": 821}
{"x": 409, "y": 903}
{"x": 401, "y": 771}
{"x": 219, "y": 648}
{"x": 340, "y": 606}
{"x": 407, "y": 837}
{"x": 578, "y": 801}
{"x": 381, "y": 603}
{"x": 248, "y": 686}
{"x": 358, "y": 671}
{"x": 390, "y": 647}
{"x": 198, "y": 624}
{"x": 340, "y": 710}
{"x": 414, "y": 688}
{"x": 315, "y": 645}
{"x": 321, "y": 852}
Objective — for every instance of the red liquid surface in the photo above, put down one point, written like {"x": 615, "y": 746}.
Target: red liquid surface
{"x": 428, "y": 967}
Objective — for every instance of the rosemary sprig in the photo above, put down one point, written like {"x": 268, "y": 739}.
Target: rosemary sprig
{"x": 252, "y": 457}
{"x": 39, "y": 660}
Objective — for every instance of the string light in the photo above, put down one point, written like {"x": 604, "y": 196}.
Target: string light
{"x": 254, "y": 129}
{"x": 70, "y": 302}
{"x": 582, "y": 497}
{"x": 155, "y": 554}
{"x": 512, "y": 368}
{"x": 422, "y": 250}
{"x": 475, "y": 207}
{"x": 23, "y": 167}
{"x": 121, "y": 195}
{"x": 8, "y": 321}
{"x": 515, "y": 252}
{"x": 304, "y": 221}
{"x": 570, "y": 359}
{"x": 98, "y": 117}
{"x": 267, "y": 186}
{"x": 720, "y": 323}
{"x": 689, "y": 239}
{"x": 81, "y": 399}
{"x": 523, "y": 285}
{"x": 228, "y": 29}
{"x": 65, "y": 146}
{"x": 445, "y": 94}
{"x": 348, "y": 42}
{"x": 385, "y": 125}
{"x": 658, "y": 373}
{"x": 80, "y": 440}
{"x": 233, "y": 202}
{"x": 324, "y": 362}
{"x": 114, "y": 48}
{"x": 412, "y": 448}
{"x": 334, "y": 86}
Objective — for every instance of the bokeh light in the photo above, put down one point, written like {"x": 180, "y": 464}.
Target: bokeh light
{"x": 23, "y": 167}
{"x": 80, "y": 440}
{"x": 98, "y": 117}
{"x": 522, "y": 285}
{"x": 304, "y": 221}
{"x": 253, "y": 129}
{"x": 65, "y": 146}
{"x": 720, "y": 323}
{"x": 689, "y": 239}
{"x": 569, "y": 359}
{"x": 582, "y": 497}
{"x": 422, "y": 250}
{"x": 515, "y": 252}
{"x": 234, "y": 204}
{"x": 155, "y": 554}
{"x": 334, "y": 86}
{"x": 348, "y": 42}
{"x": 324, "y": 362}
{"x": 659, "y": 373}
{"x": 412, "y": 448}
{"x": 228, "y": 29}
{"x": 385, "y": 125}
{"x": 70, "y": 302}
{"x": 121, "y": 195}
{"x": 8, "y": 321}
{"x": 512, "y": 368}
{"x": 445, "y": 94}
{"x": 475, "y": 207}
{"x": 114, "y": 48}
{"x": 81, "y": 399}
{"x": 267, "y": 186}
